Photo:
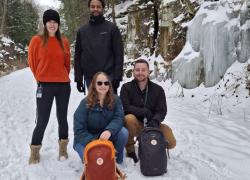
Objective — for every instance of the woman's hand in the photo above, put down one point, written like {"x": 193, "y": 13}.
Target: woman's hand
{"x": 105, "y": 135}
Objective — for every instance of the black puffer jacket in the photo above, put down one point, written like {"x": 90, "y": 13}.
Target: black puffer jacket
{"x": 133, "y": 100}
{"x": 98, "y": 47}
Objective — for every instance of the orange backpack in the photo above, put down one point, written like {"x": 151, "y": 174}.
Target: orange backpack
{"x": 99, "y": 162}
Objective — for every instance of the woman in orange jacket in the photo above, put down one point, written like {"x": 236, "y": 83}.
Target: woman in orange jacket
{"x": 49, "y": 61}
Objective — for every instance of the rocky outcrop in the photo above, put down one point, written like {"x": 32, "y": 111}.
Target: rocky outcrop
{"x": 12, "y": 56}
{"x": 139, "y": 30}
{"x": 173, "y": 16}
{"x": 157, "y": 27}
{"x": 213, "y": 44}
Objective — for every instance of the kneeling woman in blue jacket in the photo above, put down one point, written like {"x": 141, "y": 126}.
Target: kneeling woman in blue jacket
{"x": 100, "y": 115}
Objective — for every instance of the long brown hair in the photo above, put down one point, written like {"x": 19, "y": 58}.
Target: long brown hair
{"x": 92, "y": 97}
{"x": 45, "y": 36}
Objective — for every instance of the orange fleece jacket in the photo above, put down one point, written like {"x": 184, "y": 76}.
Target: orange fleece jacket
{"x": 49, "y": 63}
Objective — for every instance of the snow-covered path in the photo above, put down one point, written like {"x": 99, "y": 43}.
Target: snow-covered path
{"x": 209, "y": 146}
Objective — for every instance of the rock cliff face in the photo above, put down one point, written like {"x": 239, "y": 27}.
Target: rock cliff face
{"x": 156, "y": 27}
{"x": 139, "y": 30}
{"x": 197, "y": 42}
{"x": 173, "y": 16}
{"x": 213, "y": 44}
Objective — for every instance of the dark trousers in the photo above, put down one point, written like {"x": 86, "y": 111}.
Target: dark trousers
{"x": 61, "y": 93}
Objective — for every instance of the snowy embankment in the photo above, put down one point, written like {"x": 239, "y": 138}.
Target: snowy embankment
{"x": 211, "y": 126}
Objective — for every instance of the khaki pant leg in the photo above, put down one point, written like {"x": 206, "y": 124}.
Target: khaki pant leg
{"x": 169, "y": 136}
{"x": 134, "y": 127}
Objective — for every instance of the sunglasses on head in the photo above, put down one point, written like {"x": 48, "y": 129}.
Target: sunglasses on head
{"x": 99, "y": 83}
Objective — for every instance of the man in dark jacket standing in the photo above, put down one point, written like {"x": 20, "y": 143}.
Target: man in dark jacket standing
{"x": 144, "y": 103}
{"x": 98, "y": 47}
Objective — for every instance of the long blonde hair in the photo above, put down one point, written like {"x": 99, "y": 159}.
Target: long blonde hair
{"x": 92, "y": 97}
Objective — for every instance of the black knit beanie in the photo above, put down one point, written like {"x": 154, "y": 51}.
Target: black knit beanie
{"x": 51, "y": 14}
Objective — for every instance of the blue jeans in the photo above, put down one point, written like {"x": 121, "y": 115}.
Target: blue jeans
{"x": 119, "y": 141}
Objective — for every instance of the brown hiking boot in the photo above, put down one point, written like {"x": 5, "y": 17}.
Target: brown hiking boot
{"x": 63, "y": 149}
{"x": 34, "y": 154}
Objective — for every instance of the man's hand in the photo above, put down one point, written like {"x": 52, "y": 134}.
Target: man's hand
{"x": 153, "y": 123}
{"x": 147, "y": 113}
{"x": 80, "y": 87}
{"x": 105, "y": 135}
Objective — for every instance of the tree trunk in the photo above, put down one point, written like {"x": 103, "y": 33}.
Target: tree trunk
{"x": 3, "y": 17}
{"x": 113, "y": 10}
{"x": 107, "y": 4}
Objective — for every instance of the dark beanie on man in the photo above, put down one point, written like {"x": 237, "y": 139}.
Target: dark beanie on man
{"x": 51, "y": 14}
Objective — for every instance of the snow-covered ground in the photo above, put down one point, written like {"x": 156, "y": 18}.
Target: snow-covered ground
{"x": 211, "y": 126}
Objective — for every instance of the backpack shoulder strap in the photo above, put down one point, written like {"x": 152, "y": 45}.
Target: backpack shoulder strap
{"x": 83, "y": 176}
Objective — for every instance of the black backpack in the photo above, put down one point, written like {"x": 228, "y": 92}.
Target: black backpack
{"x": 152, "y": 152}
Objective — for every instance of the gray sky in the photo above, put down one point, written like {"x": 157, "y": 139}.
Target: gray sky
{"x": 50, "y": 3}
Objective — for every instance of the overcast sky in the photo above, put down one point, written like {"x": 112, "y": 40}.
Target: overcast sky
{"x": 50, "y": 3}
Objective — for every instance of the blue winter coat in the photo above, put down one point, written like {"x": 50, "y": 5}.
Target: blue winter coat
{"x": 89, "y": 123}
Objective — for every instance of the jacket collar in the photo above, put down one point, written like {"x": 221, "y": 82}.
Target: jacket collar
{"x": 137, "y": 86}
{"x": 94, "y": 20}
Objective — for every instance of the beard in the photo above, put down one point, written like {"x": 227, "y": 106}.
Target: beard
{"x": 141, "y": 79}
{"x": 96, "y": 14}
{"x": 96, "y": 17}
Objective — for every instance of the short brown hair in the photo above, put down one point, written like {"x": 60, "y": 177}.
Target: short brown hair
{"x": 141, "y": 61}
